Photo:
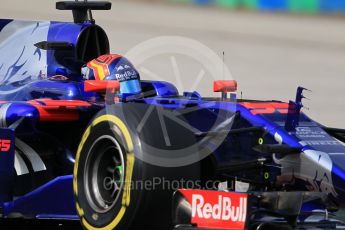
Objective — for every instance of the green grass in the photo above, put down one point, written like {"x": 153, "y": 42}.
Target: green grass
{"x": 306, "y": 6}
{"x": 229, "y": 3}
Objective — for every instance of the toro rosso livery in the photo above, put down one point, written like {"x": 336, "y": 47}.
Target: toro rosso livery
{"x": 80, "y": 131}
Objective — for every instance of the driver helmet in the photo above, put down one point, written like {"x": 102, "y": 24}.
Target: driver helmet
{"x": 114, "y": 67}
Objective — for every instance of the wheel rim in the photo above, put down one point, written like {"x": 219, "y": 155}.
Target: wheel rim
{"x": 104, "y": 174}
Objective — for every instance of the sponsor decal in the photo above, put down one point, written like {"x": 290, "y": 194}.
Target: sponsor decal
{"x": 120, "y": 68}
{"x": 126, "y": 76}
{"x": 313, "y": 167}
{"x": 5, "y": 145}
{"x": 212, "y": 209}
{"x": 314, "y": 134}
{"x": 319, "y": 142}
{"x": 266, "y": 107}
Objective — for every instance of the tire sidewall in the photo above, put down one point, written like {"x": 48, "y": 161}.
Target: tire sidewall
{"x": 117, "y": 217}
{"x": 146, "y": 208}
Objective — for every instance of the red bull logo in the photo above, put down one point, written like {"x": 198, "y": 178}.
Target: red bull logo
{"x": 211, "y": 209}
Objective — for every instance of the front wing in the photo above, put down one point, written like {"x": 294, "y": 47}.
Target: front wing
{"x": 203, "y": 209}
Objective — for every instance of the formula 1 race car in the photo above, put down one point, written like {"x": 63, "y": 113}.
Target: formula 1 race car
{"x": 83, "y": 138}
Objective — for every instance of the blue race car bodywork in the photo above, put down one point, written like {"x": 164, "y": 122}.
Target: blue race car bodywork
{"x": 45, "y": 109}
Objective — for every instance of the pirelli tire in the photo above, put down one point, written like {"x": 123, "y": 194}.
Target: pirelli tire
{"x": 113, "y": 138}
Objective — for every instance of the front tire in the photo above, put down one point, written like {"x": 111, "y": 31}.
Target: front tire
{"x": 102, "y": 175}
{"x": 110, "y": 181}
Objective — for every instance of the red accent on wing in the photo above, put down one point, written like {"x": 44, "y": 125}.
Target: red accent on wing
{"x": 101, "y": 86}
{"x": 266, "y": 107}
{"x": 225, "y": 86}
{"x": 58, "y": 110}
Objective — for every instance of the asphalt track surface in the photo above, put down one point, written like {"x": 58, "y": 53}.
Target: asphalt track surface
{"x": 268, "y": 54}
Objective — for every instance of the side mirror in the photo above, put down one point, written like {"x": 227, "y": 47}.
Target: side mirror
{"x": 225, "y": 87}
{"x": 45, "y": 45}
